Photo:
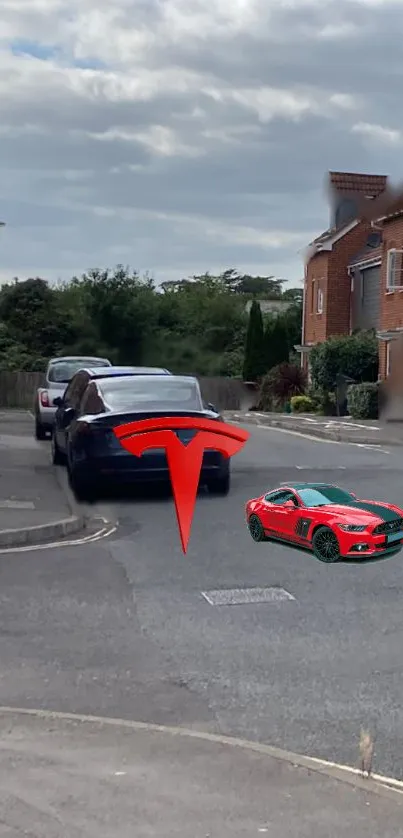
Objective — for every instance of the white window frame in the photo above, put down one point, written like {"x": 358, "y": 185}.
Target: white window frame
{"x": 391, "y": 284}
{"x": 319, "y": 300}
{"x": 313, "y": 297}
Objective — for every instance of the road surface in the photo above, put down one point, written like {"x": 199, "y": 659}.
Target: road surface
{"x": 121, "y": 628}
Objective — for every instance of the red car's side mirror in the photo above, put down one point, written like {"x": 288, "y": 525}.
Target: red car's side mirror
{"x": 289, "y": 504}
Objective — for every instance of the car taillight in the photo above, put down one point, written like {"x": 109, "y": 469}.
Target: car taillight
{"x": 45, "y": 398}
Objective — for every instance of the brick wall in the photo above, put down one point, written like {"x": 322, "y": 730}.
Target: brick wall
{"x": 315, "y": 324}
{"x": 329, "y": 270}
{"x": 339, "y": 281}
{"x": 382, "y": 358}
{"x": 391, "y": 309}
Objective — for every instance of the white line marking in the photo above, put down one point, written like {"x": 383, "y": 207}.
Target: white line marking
{"x": 320, "y": 468}
{"x": 320, "y": 439}
{"x": 16, "y": 504}
{"x": 258, "y": 747}
{"x": 89, "y": 539}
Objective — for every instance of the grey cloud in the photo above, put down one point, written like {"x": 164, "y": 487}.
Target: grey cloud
{"x": 270, "y": 180}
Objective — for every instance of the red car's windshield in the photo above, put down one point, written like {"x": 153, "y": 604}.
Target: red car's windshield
{"x": 323, "y": 495}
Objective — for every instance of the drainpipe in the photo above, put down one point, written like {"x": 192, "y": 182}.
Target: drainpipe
{"x": 351, "y": 273}
{"x": 303, "y": 314}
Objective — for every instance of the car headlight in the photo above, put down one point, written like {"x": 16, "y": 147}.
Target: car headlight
{"x": 351, "y": 527}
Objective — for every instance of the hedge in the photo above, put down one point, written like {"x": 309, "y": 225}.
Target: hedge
{"x": 362, "y": 401}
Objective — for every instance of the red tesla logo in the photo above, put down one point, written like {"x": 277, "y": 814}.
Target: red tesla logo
{"x": 184, "y": 460}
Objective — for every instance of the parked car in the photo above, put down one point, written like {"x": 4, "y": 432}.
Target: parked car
{"x": 327, "y": 520}
{"x": 92, "y": 406}
{"x": 58, "y": 374}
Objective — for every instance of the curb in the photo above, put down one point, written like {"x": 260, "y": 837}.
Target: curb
{"x": 41, "y": 532}
{"x": 314, "y": 430}
{"x": 384, "y": 786}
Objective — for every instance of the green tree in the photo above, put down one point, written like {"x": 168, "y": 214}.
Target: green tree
{"x": 276, "y": 342}
{"x": 254, "y": 360}
{"x": 33, "y": 318}
{"x": 121, "y": 308}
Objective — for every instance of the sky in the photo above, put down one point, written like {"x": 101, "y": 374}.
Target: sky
{"x": 184, "y": 136}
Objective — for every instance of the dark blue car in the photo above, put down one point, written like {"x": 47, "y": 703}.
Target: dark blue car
{"x": 83, "y": 435}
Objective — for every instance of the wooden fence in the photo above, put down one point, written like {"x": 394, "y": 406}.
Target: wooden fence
{"x": 17, "y": 390}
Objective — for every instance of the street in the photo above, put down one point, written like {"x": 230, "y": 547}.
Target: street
{"x": 121, "y": 628}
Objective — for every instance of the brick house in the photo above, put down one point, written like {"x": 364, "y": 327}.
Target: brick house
{"x": 343, "y": 267}
{"x": 390, "y": 331}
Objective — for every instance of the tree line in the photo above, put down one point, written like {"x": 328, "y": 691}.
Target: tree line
{"x": 200, "y": 325}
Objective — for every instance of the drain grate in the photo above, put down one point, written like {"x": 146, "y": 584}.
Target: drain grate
{"x": 247, "y": 596}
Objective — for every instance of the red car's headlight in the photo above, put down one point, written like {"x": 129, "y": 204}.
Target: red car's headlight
{"x": 351, "y": 527}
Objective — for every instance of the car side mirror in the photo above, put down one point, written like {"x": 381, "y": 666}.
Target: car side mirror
{"x": 68, "y": 416}
{"x": 289, "y": 504}
{"x": 211, "y": 407}
{"x": 58, "y": 401}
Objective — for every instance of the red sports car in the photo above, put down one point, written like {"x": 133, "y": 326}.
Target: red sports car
{"x": 331, "y": 522}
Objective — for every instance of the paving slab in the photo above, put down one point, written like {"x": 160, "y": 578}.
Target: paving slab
{"x": 33, "y": 506}
{"x": 62, "y": 777}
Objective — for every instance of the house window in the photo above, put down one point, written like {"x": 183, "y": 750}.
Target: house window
{"x": 319, "y": 301}
{"x": 394, "y": 276}
{"x": 313, "y": 295}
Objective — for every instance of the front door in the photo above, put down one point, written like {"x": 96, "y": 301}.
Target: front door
{"x": 284, "y": 514}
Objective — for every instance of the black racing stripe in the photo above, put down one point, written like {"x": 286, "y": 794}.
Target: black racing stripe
{"x": 381, "y": 511}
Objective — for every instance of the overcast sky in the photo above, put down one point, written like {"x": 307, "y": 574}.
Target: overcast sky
{"x": 179, "y": 136}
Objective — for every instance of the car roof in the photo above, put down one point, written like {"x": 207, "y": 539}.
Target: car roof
{"x": 148, "y": 377}
{"x": 121, "y": 372}
{"x": 86, "y": 359}
{"x": 298, "y": 486}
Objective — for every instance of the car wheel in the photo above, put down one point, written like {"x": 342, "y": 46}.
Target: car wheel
{"x": 325, "y": 545}
{"x": 256, "y": 528}
{"x": 58, "y": 459}
{"x": 40, "y": 430}
{"x": 219, "y": 485}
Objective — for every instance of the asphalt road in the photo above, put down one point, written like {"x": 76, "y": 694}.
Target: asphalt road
{"x": 121, "y": 628}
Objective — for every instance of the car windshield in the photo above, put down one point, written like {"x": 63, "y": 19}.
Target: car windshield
{"x": 136, "y": 392}
{"x": 61, "y": 372}
{"x": 321, "y": 495}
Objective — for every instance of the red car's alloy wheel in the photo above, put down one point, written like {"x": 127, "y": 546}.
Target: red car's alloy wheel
{"x": 325, "y": 545}
{"x": 256, "y": 528}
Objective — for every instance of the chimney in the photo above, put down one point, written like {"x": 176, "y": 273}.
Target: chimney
{"x": 345, "y": 188}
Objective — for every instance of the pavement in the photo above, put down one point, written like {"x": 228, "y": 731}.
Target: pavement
{"x": 64, "y": 778}
{"x": 346, "y": 429}
{"x": 125, "y": 628}
{"x": 33, "y": 506}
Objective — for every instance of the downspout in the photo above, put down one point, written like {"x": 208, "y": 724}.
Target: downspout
{"x": 351, "y": 273}
{"x": 303, "y": 313}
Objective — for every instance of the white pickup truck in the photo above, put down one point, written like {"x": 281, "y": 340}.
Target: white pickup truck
{"x": 58, "y": 375}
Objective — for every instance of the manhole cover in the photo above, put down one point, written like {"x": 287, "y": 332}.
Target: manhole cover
{"x": 246, "y": 596}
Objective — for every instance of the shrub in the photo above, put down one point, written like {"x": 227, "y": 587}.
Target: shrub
{"x": 362, "y": 401}
{"x": 353, "y": 355}
{"x": 279, "y": 386}
{"x": 326, "y": 403}
{"x": 302, "y": 404}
